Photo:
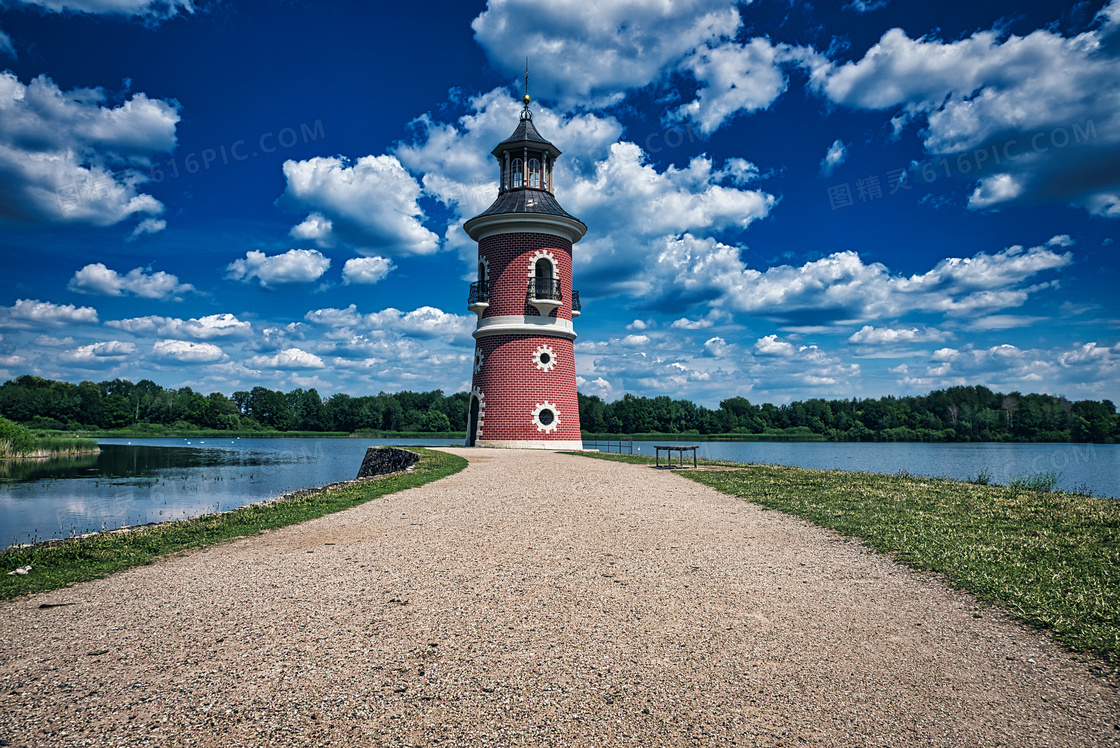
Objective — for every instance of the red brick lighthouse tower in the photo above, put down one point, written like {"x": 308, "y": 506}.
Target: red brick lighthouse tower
{"x": 524, "y": 388}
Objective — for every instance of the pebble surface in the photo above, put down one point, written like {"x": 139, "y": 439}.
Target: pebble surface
{"x": 534, "y": 599}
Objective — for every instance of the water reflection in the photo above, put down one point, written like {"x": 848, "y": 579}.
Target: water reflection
{"x": 154, "y": 480}
{"x": 131, "y": 461}
{"x": 35, "y": 469}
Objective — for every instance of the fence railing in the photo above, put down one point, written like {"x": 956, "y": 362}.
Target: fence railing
{"x": 622, "y": 446}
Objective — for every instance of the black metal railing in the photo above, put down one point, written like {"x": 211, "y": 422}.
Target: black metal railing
{"x": 545, "y": 288}
{"x": 575, "y": 302}
{"x": 480, "y": 294}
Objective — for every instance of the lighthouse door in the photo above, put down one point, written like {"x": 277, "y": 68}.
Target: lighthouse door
{"x": 472, "y": 423}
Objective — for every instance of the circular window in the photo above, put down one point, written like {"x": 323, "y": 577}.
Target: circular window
{"x": 544, "y": 358}
{"x": 546, "y": 417}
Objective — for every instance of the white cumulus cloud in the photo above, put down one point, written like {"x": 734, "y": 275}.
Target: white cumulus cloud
{"x": 28, "y": 314}
{"x": 187, "y": 352}
{"x": 842, "y": 288}
{"x": 426, "y": 321}
{"x": 835, "y": 156}
{"x": 1030, "y": 116}
{"x": 147, "y": 226}
{"x": 109, "y": 352}
{"x": 203, "y": 328}
{"x": 66, "y": 157}
{"x": 598, "y": 50}
{"x": 737, "y": 78}
{"x": 289, "y": 358}
{"x": 101, "y": 280}
{"x": 366, "y": 270}
{"x": 370, "y": 204}
{"x": 291, "y": 267}
{"x": 869, "y": 335}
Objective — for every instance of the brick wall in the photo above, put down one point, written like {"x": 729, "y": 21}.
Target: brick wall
{"x": 513, "y": 386}
{"x": 509, "y": 256}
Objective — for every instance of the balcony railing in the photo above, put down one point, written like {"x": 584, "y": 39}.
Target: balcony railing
{"x": 479, "y": 292}
{"x": 576, "y": 308}
{"x": 479, "y": 298}
{"x": 545, "y": 289}
{"x": 544, "y": 295}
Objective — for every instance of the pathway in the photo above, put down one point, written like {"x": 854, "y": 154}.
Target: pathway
{"x": 537, "y": 599}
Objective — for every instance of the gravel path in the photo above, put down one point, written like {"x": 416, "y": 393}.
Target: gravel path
{"x": 537, "y": 599}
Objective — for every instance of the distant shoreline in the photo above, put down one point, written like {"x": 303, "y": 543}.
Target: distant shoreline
{"x": 47, "y": 454}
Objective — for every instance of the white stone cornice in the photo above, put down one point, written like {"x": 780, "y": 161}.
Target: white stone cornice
{"x": 516, "y": 324}
{"x": 481, "y": 227}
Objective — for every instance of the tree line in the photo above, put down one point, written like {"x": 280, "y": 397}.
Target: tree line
{"x": 121, "y": 404}
{"x": 956, "y": 414}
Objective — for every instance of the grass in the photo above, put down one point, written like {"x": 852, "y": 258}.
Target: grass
{"x": 50, "y": 446}
{"x": 1050, "y": 558}
{"x": 99, "y": 555}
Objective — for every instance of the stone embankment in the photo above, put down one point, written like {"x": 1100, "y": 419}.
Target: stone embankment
{"x": 385, "y": 460}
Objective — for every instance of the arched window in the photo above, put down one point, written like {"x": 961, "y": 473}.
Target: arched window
{"x": 534, "y": 173}
{"x": 518, "y": 173}
{"x": 482, "y": 277}
{"x": 543, "y": 269}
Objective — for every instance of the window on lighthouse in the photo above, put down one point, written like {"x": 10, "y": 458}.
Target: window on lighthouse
{"x": 518, "y": 173}
{"x": 534, "y": 173}
{"x": 482, "y": 277}
{"x": 546, "y": 286}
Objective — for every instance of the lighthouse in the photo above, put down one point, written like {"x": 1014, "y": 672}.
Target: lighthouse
{"x": 523, "y": 391}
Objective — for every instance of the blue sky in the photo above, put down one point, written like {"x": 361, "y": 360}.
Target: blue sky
{"x": 783, "y": 200}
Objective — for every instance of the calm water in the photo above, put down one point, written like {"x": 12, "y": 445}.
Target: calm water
{"x": 134, "y": 481}
{"x": 151, "y": 480}
{"x": 1092, "y": 467}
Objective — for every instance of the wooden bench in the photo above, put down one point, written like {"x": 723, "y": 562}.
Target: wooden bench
{"x": 670, "y": 449}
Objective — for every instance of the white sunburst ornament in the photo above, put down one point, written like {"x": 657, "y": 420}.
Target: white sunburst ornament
{"x": 546, "y": 417}
{"x": 476, "y": 393}
{"x": 544, "y": 358}
{"x": 478, "y": 359}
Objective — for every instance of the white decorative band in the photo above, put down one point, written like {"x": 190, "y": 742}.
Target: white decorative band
{"x": 516, "y": 324}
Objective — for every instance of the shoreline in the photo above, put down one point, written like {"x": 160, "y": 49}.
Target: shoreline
{"x": 61, "y": 562}
{"x": 303, "y": 493}
{"x": 46, "y": 455}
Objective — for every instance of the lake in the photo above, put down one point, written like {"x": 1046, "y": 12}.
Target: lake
{"x": 135, "y": 481}
{"x": 1083, "y": 467}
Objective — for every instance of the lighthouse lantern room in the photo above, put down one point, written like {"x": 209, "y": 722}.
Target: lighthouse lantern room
{"x": 523, "y": 390}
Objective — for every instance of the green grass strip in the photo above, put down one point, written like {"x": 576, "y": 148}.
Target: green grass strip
{"x": 103, "y": 554}
{"x": 1052, "y": 559}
